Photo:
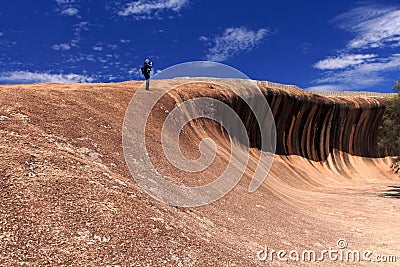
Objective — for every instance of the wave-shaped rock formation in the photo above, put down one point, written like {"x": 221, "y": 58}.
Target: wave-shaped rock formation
{"x": 68, "y": 198}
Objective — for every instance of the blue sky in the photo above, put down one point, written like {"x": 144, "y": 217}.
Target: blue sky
{"x": 320, "y": 45}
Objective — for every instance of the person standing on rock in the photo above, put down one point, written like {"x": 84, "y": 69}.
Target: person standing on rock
{"x": 146, "y": 70}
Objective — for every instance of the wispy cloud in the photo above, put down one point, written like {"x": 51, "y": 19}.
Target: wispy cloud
{"x": 40, "y": 77}
{"x": 203, "y": 38}
{"x": 232, "y": 42}
{"x": 78, "y": 29}
{"x": 147, "y": 9}
{"x": 343, "y": 61}
{"x": 62, "y": 47}
{"x": 65, "y": 2}
{"x": 1, "y": 34}
{"x": 373, "y": 26}
{"x": 67, "y": 7}
{"x": 327, "y": 88}
{"x": 135, "y": 73}
{"x": 97, "y": 48}
{"x": 71, "y": 11}
{"x": 77, "y": 35}
{"x": 363, "y": 75}
{"x": 375, "y": 29}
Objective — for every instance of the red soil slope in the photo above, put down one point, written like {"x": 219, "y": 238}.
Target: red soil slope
{"x": 67, "y": 197}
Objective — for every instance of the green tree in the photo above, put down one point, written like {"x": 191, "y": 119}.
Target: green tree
{"x": 397, "y": 86}
{"x": 389, "y": 136}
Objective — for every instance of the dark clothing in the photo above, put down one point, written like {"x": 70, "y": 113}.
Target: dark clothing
{"x": 146, "y": 69}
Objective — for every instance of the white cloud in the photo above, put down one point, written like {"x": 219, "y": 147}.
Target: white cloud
{"x": 125, "y": 41}
{"x": 63, "y": 2}
{"x": 1, "y": 34}
{"x": 62, "y": 47}
{"x": 234, "y": 41}
{"x": 327, "y": 88}
{"x": 71, "y": 11}
{"x": 343, "y": 61}
{"x": 373, "y": 26}
{"x": 83, "y": 25}
{"x": 146, "y": 9}
{"x": 365, "y": 75}
{"x": 77, "y": 30}
{"x": 134, "y": 71}
{"x": 203, "y": 38}
{"x": 97, "y": 48}
{"x": 375, "y": 29}
{"x": 37, "y": 77}
{"x": 67, "y": 7}
{"x": 90, "y": 57}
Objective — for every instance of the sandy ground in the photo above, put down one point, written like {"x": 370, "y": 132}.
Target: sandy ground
{"x": 68, "y": 199}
